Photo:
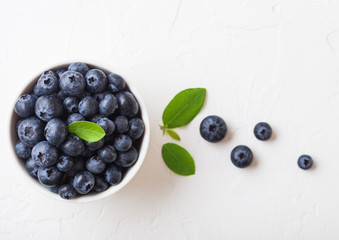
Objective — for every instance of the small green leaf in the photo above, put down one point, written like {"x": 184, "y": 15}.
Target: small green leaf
{"x": 178, "y": 159}
{"x": 87, "y": 131}
{"x": 173, "y": 134}
{"x": 183, "y": 108}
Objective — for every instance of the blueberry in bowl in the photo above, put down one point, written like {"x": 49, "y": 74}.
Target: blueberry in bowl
{"x": 63, "y": 165}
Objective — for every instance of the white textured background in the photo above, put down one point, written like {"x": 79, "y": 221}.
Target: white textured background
{"x": 260, "y": 60}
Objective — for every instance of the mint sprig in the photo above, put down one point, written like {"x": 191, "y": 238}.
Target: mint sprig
{"x": 87, "y": 131}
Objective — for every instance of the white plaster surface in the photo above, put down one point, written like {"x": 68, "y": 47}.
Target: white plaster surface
{"x": 260, "y": 60}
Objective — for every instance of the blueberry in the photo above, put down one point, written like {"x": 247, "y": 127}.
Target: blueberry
{"x": 100, "y": 184}
{"x": 115, "y": 82}
{"x": 213, "y": 129}
{"x": 54, "y": 189}
{"x": 32, "y": 168}
{"x": 122, "y": 142}
{"x": 46, "y": 85}
{"x": 128, "y": 105}
{"x": 127, "y": 159}
{"x": 75, "y": 117}
{"x": 73, "y": 146}
{"x": 49, "y": 176}
{"x": 121, "y": 124}
{"x": 48, "y": 107}
{"x": 60, "y": 71}
{"x": 305, "y": 162}
{"x": 99, "y": 96}
{"x": 78, "y": 67}
{"x": 96, "y": 81}
{"x": 44, "y": 154}
{"x": 87, "y": 152}
{"x": 107, "y": 154}
{"x": 25, "y": 105}
{"x": 51, "y": 72}
{"x": 31, "y": 131}
{"x": 95, "y": 165}
{"x": 95, "y": 118}
{"x": 136, "y": 128}
{"x": 72, "y": 83}
{"x": 64, "y": 163}
{"x": 108, "y": 105}
{"x": 78, "y": 166}
{"x": 95, "y": 145}
{"x": 83, "y": 182}
{"x": 22, "y": 150}
{"x": 88, "y": 106}
{"x": 71, "y": 104}
{"x": 61, "y": 96}
{"x": 18, "y": 124}
{"x": 241, "y": 156}
{"x": 107, "y": 125}
{"x": 83, "y": 95}
{"x": 67, "y": 191}
{"x": 56, "y": 131}
{"x": 113, "y": 175}
{"x": 263, "y": 131}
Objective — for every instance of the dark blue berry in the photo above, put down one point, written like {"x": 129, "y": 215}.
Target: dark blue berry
{"x": 31, "y": 131}
{"x": 50, "y": 72}
{"x": 83, "y": 182}
{"x": 49, "y": 176}
{"x": 87, "y": 153}
{"x": 241, "y": 156}
{"x": 78, "y": 166}
{"x": 25, "y": 105}
{"x": 88, "y": 107}
{"x": 213, "y": 129}
{"x": 71, "y": 104}
{"x": 48, "y": 107}
{"x": 128, "y": 105}
{"x": 64, "y": 163}
{"x": 67, "y": 191}
{"x": 305, "y": 162}
{"x": 56, "y": 131}
{"x": 54, "y": 189}
{"x": 127, "y": 159}
{"x": 107, "y": 154}
{"x": 46, "y": 85}
{"x": 79, "y": 67}
{"x": 263, "y": 131}
{"x": 73, "y": 146}
{"x": 95, "y": 118}
{"x": 95, "y": 145}
{"x": 107, "y": 125}
{"x": 22, "y": 150}
{"x": 95, "y": 165}
{"x": 108, "y": 105}
{"x": 32, "y": 168}
{"x": 136, "y": 128}
{"x": 96, "y": 81}
{"x": 99, "y": 96}
{"x": 72, "y": 83}
{"x": 18, "y": 124}
{"x": 60, "y": 71}
{"x": 113, "y": 175}
{"x": 100, "y": 184}
{"x": 122, "y": 142}
{"x": 115, "y": 83}
{"x": 83, "y": 95}
{"x": 61, "y": 96}
{"x": 75, "y": 117}
{"x": 121, "y": 124}
{"x": 45, "y": 154}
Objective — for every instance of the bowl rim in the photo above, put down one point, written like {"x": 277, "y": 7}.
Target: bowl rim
{"x": 129, "y": 175}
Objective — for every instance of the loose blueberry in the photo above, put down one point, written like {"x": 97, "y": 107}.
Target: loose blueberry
{"x": 61, "y": 96}
{"x": 75, "y": 117}
{"x": 128, "y": 105}
{"x": 121, "y": 124}
{"x": 100, "y": 184}
{"x": 71, "y": 104}
{"x": 95, "y": 145}
{"x": 78, "y": 166}
{"x": 48, "y": 107}
{"x": 22, "y": 150}
{"x": 305, "y": 162}
{"x": 136, "y": 128}
{"x": 79, "y": 67}
{"x": 60, "y": 71}
{"x": 83, "y": 182}
{"x": 122, "y": 142}
{"x": 108, "y": 154}
{"x": 25, "y": 105}
{"x": 95, "y": 118}
{"x": 50, "y": 72}
{"x": 54, "y": 189}
{"x": 56, "y": 132}
{"x": 45, "y": 154}
{"x": 73, "y": 146}
{"x": 127, "y": 159}
{"x": 67, "y": 191}
{"x": 64, "y": 163}
{"x": 32, "y": 168}
{"x": 95, "y": 165}
{"x": 72, "y": 83}
{"x": 113, "y": 175}
{"x": 49, "y": 176}
{"x": 213, "y": 129}
{"x": 263, "y": 131}
{"x": 88, "y": 106}
{"x": 46, "y": 85}
{"x": 115, "y": 83}
{"x": 241, "y": 156}
{"x": 99, "y": 96}
{"x": 31, "y": 131}
{"x": 107, "y": 125}
{"x": 96, "y": 81}
{"x": 18, "y": 124}
{"x": 87, "y": 153}
{"x": 108, "y": 105}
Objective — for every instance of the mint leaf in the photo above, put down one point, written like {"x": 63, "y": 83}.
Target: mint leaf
{"x": 87, "y": 131}
{"x": 183, "y": 108}
{"x": 173, "y": 134}
{"x": 178, "y": 159}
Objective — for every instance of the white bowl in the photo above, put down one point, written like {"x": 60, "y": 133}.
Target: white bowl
{"x": 130, "y": 173}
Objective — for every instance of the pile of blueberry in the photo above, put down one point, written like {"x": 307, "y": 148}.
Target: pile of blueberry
{"x": 214, "y": 129}
{"x": 63, "y": 162}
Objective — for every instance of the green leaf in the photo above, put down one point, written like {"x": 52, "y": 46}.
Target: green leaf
{"x": 178, "y": 159}
{"x": 183, "y": 108}
{"x": 173, "y": 134}
{"x": 87, "y": 131}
